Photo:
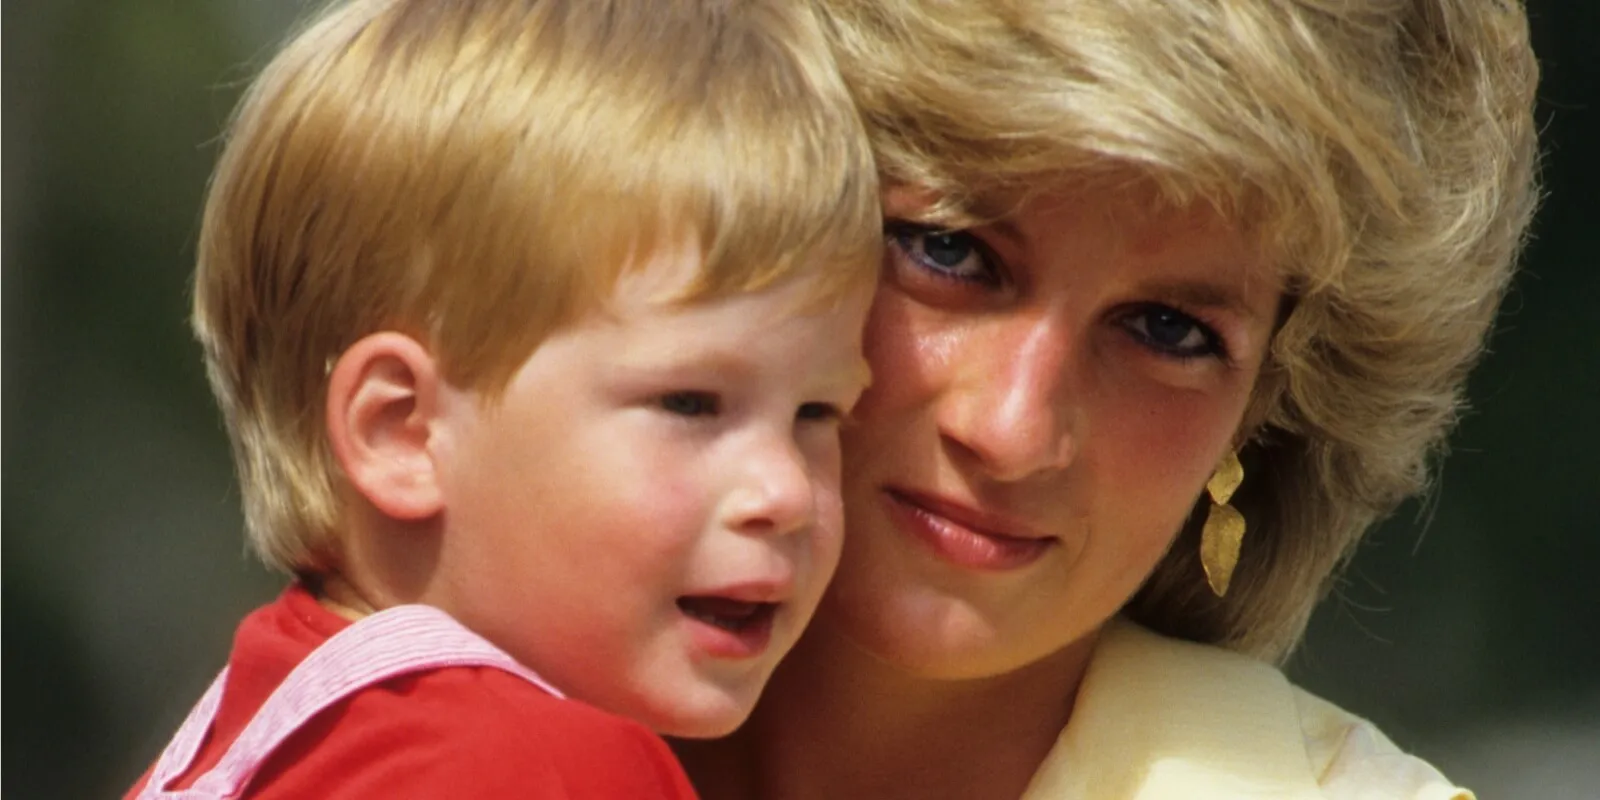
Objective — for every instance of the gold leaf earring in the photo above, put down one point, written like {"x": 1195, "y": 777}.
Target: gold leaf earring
{"x": 1224, "y": 528}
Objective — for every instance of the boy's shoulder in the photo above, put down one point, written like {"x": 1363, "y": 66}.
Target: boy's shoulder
{"x": 470, "y": 731}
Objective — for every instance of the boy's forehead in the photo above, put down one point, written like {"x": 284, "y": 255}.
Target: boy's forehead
{"x": 733, "y": 335}
{"x": 662, "y": 276}
{"x": 677, "y": 277}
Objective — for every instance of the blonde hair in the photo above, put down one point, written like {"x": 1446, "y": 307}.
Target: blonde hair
{"x": 477, "y": 173}
{"x": 1382, "y": 152}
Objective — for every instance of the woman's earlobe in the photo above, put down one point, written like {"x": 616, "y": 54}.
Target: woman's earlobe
{"x": 382, "y": 396}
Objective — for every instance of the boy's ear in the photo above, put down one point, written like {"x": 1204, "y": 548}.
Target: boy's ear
{"x": 382, "y": 397}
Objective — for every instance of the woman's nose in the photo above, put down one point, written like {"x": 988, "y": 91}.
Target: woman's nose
{"x": 774, "y": 492}
{"x": 1010, "y": 405}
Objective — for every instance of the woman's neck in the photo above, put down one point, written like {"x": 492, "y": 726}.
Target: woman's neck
{"x": 837, "y": 722}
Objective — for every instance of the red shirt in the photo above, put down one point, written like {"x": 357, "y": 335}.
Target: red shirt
{"x": 449, "y": 732}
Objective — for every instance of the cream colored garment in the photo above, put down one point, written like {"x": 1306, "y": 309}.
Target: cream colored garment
{"x": 1158, "y": 718}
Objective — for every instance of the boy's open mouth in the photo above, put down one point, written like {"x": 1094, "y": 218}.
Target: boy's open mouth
{"x": 734, "y": 616}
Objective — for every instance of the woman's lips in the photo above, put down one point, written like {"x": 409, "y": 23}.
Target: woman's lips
{"x": 964, "y": 536}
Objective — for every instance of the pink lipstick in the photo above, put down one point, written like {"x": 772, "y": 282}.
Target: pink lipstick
{"x": 964, "y": 536}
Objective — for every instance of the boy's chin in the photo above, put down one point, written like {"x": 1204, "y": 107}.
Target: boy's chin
{"x": 704, "y": 730}
{"x": 717, "y": 714}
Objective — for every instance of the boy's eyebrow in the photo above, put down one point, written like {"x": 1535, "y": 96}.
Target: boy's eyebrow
{"x": 857, "y": 373}
{"x": 736, "y": 364}
{"x": 664, "y": 357}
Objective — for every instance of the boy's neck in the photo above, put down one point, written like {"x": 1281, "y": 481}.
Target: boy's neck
{"x": 837, "y": 722}
{"x": 336, "y": 594}
{"x": 379, "y": 564}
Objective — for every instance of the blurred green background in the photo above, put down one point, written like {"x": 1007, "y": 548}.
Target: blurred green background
{"x": 1462, "y": 627}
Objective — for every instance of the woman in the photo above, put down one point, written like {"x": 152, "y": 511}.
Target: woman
{"x": 1127, "y": 243}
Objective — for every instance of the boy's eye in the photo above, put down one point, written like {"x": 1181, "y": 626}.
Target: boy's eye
{"x": 691, "y": 404}
{"x": 1172, "y": 332}
{"x": 817, "y": 411}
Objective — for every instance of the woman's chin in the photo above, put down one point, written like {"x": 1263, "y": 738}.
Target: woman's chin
{"x": 936, "y": 629}
{"x": 917, "y": 631}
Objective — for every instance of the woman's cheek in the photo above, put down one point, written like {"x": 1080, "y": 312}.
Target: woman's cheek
{"x": 893, "y": 346}
{"x": 1165, "y": 443}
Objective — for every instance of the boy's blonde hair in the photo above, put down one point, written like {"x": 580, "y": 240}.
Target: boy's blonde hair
{"x": 1382, "y": 152}
{"x": 476, "y": 173}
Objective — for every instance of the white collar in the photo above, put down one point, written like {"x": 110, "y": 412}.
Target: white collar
{"x": 1159, "y": 718}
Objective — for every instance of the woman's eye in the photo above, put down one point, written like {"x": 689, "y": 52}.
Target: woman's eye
{"x": 955, "y": 255}
{"x": 691, "y": 404}
{"x": 1173, "y": 332}
{"x": 818, "y": 411}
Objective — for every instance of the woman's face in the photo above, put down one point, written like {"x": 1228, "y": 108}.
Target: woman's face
{"x": 1050, "y": 394}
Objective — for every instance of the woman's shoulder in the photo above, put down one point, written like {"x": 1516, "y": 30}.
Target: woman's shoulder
{"x": 1353, "y": 759}
{"x": 1158, "y": 717}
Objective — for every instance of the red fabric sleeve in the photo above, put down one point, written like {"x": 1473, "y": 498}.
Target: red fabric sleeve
{"x": 454, "y": 732}
{"x": 469, "y": 732}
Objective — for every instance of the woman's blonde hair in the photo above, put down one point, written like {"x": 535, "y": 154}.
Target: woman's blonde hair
{"x": 1382, "y": 151}
{"x": 476, "y": 173}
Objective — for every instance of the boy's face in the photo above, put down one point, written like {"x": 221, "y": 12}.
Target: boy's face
{"x": 650, "y": 512}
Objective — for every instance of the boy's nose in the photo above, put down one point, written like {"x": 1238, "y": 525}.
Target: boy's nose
{"x": 774, "y": 494}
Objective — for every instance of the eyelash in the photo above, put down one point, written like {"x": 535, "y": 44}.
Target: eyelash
{"x": 693, "y": 404}
{"x": 706, "y": 404}
{"x": 819, "y": 412}
{"x": 1212, "y": 344}
{"x": 900, "y": 234}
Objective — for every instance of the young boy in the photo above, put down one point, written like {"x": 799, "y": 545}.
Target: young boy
{"x": 532, "y": 323}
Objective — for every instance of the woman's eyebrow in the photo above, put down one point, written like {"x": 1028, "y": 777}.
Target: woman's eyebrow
{"x": 1008, "y": 230}
{"x": 1204, "y": 294}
